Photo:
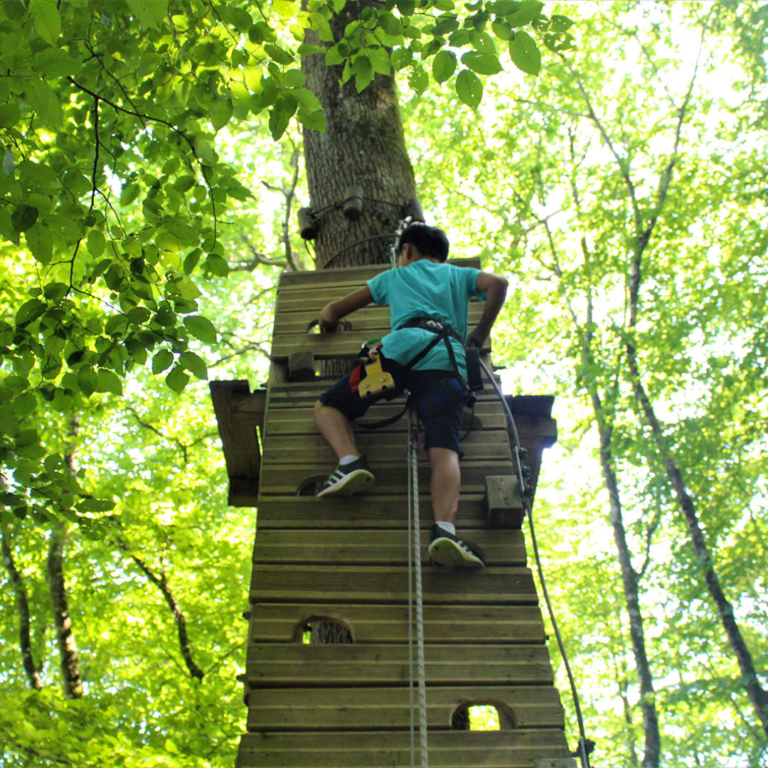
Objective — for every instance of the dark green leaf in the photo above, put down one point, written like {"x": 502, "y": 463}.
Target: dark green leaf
{"x": 162, "y": 360}
{"x": 194, "y": 363}
{"x": 469, "y": 88}
{"x": 201, "y": 328}
{"x": 443, "y": 66}
{"x": 30, "y": 311}
{"x": 109, "y": 381}
{"x": 525, "y": 54}
{"x": 177, "y": 379}
{"x": 24, "y": 218}
{"x": 481, "y": 63}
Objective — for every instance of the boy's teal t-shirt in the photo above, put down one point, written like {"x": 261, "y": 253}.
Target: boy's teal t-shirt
{"x": 425, "y": 289}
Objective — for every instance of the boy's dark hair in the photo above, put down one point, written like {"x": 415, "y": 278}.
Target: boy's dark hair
{"x": 428, "y": 241}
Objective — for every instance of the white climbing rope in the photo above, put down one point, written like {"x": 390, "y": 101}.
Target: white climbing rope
{"x": 414, "y": 566}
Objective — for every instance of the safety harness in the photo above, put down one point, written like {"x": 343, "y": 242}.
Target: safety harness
{"x": 448, "y": 391}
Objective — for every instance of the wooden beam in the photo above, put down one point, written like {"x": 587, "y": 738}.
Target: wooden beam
{"x": 447, "y": 749}
{"x": 239, "y": 442}
{"x": 502, "y": 501}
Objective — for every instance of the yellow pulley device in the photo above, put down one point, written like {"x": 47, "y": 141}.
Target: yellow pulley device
{"x": 376, "y": 380}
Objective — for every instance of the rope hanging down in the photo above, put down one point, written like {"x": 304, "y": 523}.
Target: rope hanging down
{"x": 414, "y": 567}
{"x": 526, "y": 499}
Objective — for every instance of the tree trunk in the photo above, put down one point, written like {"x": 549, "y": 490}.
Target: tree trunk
{"x": 629, "y": 578}
{"x": 70, "y": 665}
{"x": 363, "y": 145}
{"x": 22, "y": 603}
{"x": 757, "y": 694}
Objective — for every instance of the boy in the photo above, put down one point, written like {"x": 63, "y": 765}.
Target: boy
{"x": 423, "y": 287}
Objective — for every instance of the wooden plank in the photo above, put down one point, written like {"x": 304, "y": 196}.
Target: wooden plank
{"x": 301, "y": 449}
{"x": 354, "y": 275}
{"x": 385, "y": 584}
{"x": 239, "y": 442}
{"x": 271, "y": 665}
{"x": 387, "y": 547}
{"x": 324, "y": 346}
{"x": 452, "y": 623}
{"x": 503, "y": 501}
{"x": 447, "y": 749}
{"x": 371, "y": 512}
{"x": 391, "y": 476}
{"x": 388, "y": 708}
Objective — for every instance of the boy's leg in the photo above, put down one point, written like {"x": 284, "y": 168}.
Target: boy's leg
{"x": 445, "y": 484}
{"x": 333, "y": 413}
{"x": 335, "y": 427}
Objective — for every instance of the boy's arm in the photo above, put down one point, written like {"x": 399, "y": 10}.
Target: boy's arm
{"x": 336, "y": 310}
{"x": 495, "y": 289}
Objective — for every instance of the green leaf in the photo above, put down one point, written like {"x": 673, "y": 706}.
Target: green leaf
{"x": 46, "y": 19}
{"x": 96, "y": 243}
{"x": 278, "y": 54}
{"x": 390, "y": 24}
{"x": 40, "y": 243}
{"x": 443, "y": 66}
{"x": 87, "y": 380}
{"x": 201, "y": 328}
{"x": 109, "y": 381}
{"x": 44, "y": 102}
{"x": 29, "y": 311}
{"x": 481, "y": 63}
{"x": 560, "y": 23}
{"x": 129, "y": 193}
{"x": 307, "y": 100}
{"x": 363, "y": 72}
{"x": 315, "y": 121}
{"x": 280, "y": 115}
{"x": 502, "y": 30}
{"x": 524, "y": 53}
{"x": 24, "y": 404}
{"x": 322, "y": 27}
{"x": 55, "y": 292}
{"x": 445, "y": 26}
{"x": 469, "y": 88}
{"x": 194, "y": 363}
{"x": 401, "y": 58}
{"x": 525, "y": 14}
{"x": 162, "y": 360}
{"x": 418, "y": 79}
{"x": 220, "y": 113}
{"x": 177, "y": 379}
{"x": 10, "y": 114}
{"x": 151, "y": 13}
{"x": 51, "y": 62}
{"x": 406, "y": 7}
{"x": 24, "y": 218}
{"x": 294, "y": 78}
{"x": 286, "y": 9}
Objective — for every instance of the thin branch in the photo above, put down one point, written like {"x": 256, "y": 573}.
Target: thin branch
{"x": 161, "y": 583}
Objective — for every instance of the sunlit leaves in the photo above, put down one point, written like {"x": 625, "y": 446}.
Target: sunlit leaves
{"x": 201, "y": 328}
{"x": 46, "y": 18}
{"x": 150, "y": 13}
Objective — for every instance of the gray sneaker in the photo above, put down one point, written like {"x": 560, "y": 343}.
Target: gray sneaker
{"x": 347, "y": 478}
{"x": 448, "y": 549}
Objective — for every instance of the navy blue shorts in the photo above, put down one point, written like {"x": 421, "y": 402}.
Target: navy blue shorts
{"x": 441, "y": 430}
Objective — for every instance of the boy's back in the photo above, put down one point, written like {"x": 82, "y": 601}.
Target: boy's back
{"x": 425, "y": 289}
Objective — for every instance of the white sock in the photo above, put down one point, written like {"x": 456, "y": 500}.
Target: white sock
{"x": 449, "y": 527}
{"x": 348, "y": 459}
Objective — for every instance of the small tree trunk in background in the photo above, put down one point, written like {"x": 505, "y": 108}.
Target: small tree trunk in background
{"x": 70, "y": 665}
{"x": 364, "y": 145}
{"x": 22, "y": 603}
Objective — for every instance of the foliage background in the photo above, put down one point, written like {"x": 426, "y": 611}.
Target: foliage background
{"x": 106, "y": 421}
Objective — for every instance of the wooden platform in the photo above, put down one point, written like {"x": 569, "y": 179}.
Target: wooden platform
{"x": 345, "y": 561}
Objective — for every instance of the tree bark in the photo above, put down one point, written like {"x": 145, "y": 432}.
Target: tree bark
{"x": 70, "y": 665}
{"x": 757, "y": 694}
{"x": 22, "y": 603}
{"x": 363, "y": 145}
{"x": 178, "y": 615}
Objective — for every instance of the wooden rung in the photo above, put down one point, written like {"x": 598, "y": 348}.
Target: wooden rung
{"x": 271, "y": 665}
{"x": 288, "y": 709}
{"x": 370, "y": 511}
{"x": 365, "y": 547}
{"x": 387, "y": 584}
{"x": 447, "y": 749}
{"x": 450, "y": 623}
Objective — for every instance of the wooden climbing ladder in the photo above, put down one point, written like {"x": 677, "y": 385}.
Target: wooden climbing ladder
{"x": 344, "y": 561}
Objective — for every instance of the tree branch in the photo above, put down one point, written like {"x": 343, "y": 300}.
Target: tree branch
{"x": 161, "y": 583}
